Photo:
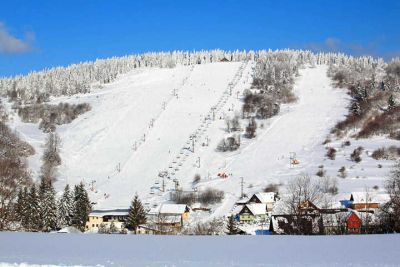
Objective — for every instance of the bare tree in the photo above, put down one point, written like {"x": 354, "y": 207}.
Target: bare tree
{"x": 299, "y": 190}
{"x": 390, "y": 212}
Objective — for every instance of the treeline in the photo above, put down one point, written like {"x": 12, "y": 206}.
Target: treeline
{"x": 38, "y": 209}
{"x": 375, "y": 90}
{"x": 37, "y": 87}
{"x": 51, "y": 115}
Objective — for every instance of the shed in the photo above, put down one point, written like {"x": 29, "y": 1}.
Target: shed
{"x": 353, "y": 223}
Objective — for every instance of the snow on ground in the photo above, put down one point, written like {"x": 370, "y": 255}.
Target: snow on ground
{"x": 148, "y": 120}
{"x": 197, "y": 251}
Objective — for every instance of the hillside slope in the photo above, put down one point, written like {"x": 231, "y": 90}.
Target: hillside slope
{"x": 148, "y": 121}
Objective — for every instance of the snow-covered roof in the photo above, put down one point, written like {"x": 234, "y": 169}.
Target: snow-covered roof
{"x": 266, "y": 197}
{"x": 257, "y": 208}
{"x": 363, "y": 197}
{"x": 116, "y": 212}
{"x": 237, "y": 209}
{"x": 172, "y": 208}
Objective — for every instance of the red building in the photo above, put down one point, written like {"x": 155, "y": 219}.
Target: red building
{"x": 353, "y": 224}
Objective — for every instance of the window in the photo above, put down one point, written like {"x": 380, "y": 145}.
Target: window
{"x": 97, "y": 225}
{"x": 92, "y": 225}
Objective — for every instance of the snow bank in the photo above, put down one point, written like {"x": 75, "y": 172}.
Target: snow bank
{"x": 131, "y": 250}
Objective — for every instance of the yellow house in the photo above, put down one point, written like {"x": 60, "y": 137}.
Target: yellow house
{"x": 253, "y": 212}
{"x": 106, "y": 217}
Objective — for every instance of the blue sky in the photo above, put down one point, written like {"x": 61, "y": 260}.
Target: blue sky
{"x": 40, "y": 34}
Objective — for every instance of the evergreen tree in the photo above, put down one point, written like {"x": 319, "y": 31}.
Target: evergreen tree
{"x": 21, "y": 206}
{"x": 32, "y": 210}
{"x": 391, "y": 103}
{"x": 113, "y": 228}
{"x": 65, "y": 208}
{"x": 355, "y": 108}
{"x": 137, "y": 214}
{"x": 48, "y": 206}
{"x": 360, "y": 94}
{"x": 232, "y": 227}
{"x": 82, "y": 207}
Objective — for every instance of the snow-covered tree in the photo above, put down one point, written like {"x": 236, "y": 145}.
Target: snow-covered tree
{"x": 137, "y": 214}
{"x": 82, "y": 207}
{"x": 391, "y": 102}
{"x": 65, "y": 208}
{"x": 33, "y": 217}
{"x": 47, "y": 206}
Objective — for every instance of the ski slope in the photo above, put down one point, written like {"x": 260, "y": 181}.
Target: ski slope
{"x": 137, "y": 126}
{"x": 170, "y": 121}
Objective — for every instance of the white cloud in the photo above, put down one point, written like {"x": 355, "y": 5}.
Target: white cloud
{"x": 12, "y": 45}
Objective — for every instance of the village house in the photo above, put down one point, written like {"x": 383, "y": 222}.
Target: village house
{"x": 353, "y": 223}
{"x": 253, "y": 212}
{"x": 311, "y": 219}
{"x": 363, "y": 201}
{"x": 106, "y": 217}
{"x": 167, "y": 218}
{"x": 267, "y": 198}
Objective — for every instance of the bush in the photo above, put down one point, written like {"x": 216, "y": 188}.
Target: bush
{"x": 321, "y": 172}
{"x": 329, "y": 185}
{"x": 346, "y": 143}
{"x": 379, "y": 153}
{"x": 181, "y": 197}
{"x": 342, "y": 172}
{"x": 391, "y": 153}
{"x": 210, "y": 196}
{"x": 356, "y": 155}
{"x": 331, "y": 153}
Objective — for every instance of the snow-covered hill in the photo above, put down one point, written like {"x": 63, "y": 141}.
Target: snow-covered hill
{"x": 149, "y": 119}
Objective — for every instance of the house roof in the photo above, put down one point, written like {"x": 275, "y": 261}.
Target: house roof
{"x": 115, "y": 212}
{"x": 173, "y": 208}
{"x": 265, "y": 197}
{"x": 363, "y": 197}
{"x": 257, "y": 208}
{"x": 308, "y": 205}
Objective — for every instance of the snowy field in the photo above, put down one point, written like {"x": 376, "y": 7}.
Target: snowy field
{"x": 196, "y": 251}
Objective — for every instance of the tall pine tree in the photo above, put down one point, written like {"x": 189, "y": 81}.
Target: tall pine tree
{"x": 32, "y": 210}
{"x": 65, "y": 208}
{"x": 48, "y": 206}
{"x": 137, "y": 214}
{"x": 82, "y": 207}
